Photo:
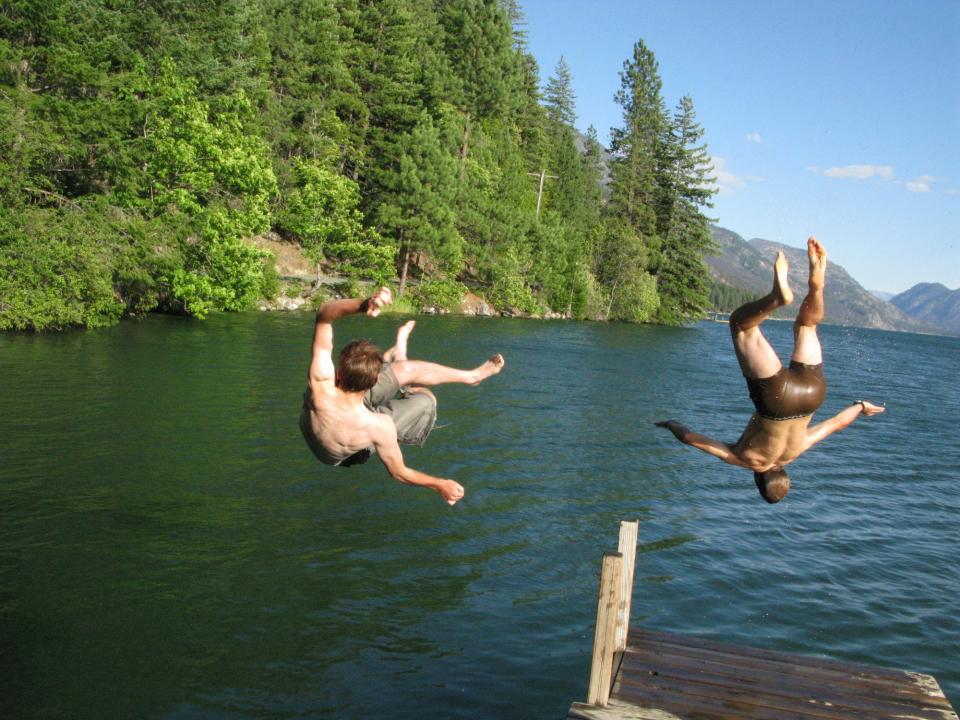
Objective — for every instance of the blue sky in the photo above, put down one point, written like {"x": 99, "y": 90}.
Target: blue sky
{"x": 837, "y": 119}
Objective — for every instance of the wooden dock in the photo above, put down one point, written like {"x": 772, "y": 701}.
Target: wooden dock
{"x": 646, "y": 675}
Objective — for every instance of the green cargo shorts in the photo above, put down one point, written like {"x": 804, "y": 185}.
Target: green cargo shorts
{"x": 413, "y": 413}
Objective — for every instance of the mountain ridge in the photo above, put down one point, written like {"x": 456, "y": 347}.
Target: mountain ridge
{"x": 934, "y": 303}
{"x": 748, "y": 265}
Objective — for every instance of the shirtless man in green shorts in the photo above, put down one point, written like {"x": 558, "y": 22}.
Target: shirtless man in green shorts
{"x": 371, "y": 402}
{"x": 785, "y": 398}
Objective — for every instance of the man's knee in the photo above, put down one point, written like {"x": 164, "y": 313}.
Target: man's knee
{"x": 420, "y": 390}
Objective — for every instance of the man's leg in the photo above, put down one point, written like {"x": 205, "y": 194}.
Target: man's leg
{"x": 398, "y": 352}
{"x": 419, "y": 372}
{"x": 806, "y": 344}
{"x": 756, "y": 357}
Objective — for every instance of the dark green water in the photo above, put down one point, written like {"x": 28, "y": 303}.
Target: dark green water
{"x": 169, "y": 548}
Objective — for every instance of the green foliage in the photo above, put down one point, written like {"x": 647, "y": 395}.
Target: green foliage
{"x": 636, "y": 300}
{"x": 144, "y": 146}
{"x": 365, "y": 258}
{"x": 322, "y": 209}
{"x": 509, "y": 291}
{"x": 323, "y": 213}
{"x": 64, "y": 280}
{"x": 446, "y": 294}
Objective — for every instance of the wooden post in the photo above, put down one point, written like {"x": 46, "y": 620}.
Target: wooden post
{"x": 629, "y": 530}
{"x": 604, "y": 636}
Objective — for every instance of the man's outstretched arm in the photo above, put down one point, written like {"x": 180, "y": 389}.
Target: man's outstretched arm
{"x": 701, "y": 442}
{"x": 321, "y": 363}
{"x": 839, "y": 421}
{"x": 389, "y": 452}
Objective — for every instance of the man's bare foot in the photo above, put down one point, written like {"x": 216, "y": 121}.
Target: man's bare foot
{"x": 781, "y": 284}
{"x": 817, "y": 255}
{"x": 403, "y": 335}
{"x": 398, "y": 353}
{"x": 489, "y": 368}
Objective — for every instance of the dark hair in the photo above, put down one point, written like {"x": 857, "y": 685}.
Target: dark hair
{"x": 774, "y": 484}
{"x": 359, "y": 366}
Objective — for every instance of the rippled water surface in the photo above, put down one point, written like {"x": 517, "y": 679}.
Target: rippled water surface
{"x": 169, "y": 548}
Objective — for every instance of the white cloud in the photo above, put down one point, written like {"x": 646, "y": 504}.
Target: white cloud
{"x": 754, "y": 137}
{"x": 727, "y": 182}
{"x": 860, "y": 172}
{"x": 921, "y": 184}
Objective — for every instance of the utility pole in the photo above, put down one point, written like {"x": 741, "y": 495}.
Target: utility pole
{"x": 542, "y": 174}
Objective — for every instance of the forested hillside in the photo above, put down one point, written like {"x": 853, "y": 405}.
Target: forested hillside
{"x": 144, "y": 145}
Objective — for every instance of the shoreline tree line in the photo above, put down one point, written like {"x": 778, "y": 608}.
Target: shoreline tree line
{"x": 143, "y": 145}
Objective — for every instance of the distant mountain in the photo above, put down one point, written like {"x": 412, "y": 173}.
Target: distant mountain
{"x": 933, "y": 303}
{"x": 749, "y": 265}
{"x": 882, "y": 295}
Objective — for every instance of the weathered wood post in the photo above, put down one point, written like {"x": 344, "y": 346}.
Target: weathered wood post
{"x": 629, "y": 531}
{"x": 604, "y": 636}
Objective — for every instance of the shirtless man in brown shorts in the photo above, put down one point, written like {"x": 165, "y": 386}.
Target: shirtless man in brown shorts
{"x": 372, "y": 401}
{"x": 785, "y": 398}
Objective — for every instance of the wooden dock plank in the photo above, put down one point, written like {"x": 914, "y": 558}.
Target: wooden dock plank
{"x": 650, "y": 657}
{"x": 683, "y": 677}
{"x": 778, "y": 691}
{"x": 651, "y": 675}
{"x": 641, "y": 635}
{"x": 772, "y": 702}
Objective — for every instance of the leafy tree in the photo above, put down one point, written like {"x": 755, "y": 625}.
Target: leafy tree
{"x": 323, "y": 212}
{"x": 205, "y": 165}
{"x": 64, "y": 280}
{"x": 620, "y": 261}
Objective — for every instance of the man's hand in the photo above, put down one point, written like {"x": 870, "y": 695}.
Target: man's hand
{"x": 870, "y": 409}
{"x": 451, "y": 491}
{"x": 664, "y": 423}
{"x": 381, "y": 298}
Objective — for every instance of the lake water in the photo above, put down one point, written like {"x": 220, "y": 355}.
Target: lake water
{"x": 169, "y": 548}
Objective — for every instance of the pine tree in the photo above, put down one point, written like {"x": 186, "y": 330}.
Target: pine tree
{"x": 559, "y": 98}
{"x": 637, "y": 146}
{"x": 686, "y": 186}
{"x": 629, "y": 243}
{"x": 312, "y": 92}
{"x": 417, "y": 206}
{"x": 479, "y": 47}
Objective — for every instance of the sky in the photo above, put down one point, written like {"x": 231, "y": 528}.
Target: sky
{"x": 837, "y": 119}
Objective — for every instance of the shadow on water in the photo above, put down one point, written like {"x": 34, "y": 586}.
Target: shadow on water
{"x": 169, "y": 548}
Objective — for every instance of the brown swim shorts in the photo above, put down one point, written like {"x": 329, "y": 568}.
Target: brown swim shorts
{"x": 794, "y": 392}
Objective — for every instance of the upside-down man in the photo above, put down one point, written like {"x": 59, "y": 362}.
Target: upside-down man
{"x": 785, "y": 398}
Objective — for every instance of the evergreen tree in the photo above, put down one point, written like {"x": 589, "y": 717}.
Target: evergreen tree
{"x": 478, "y": 41}
{"x": 637, "y": 146}
{"x": 311, "y": 90}
{"x": 685, "y": 231}
{"x": 417, "y": 207}
{"x": 559, "y": 97}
